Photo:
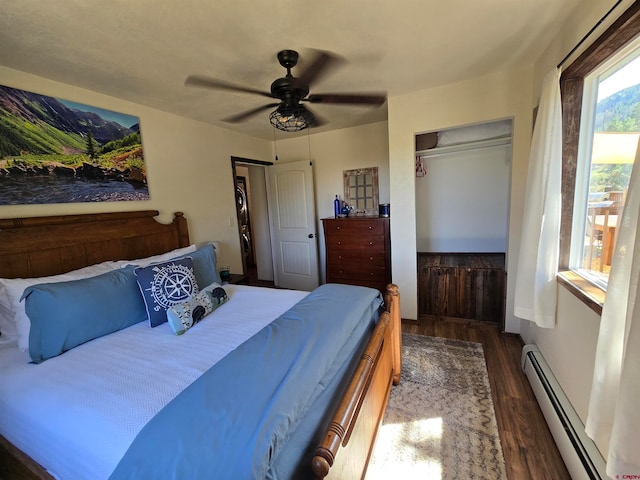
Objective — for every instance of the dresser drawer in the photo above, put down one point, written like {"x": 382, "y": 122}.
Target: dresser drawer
{"x": 359, "y": 226}
{"x": 343, "y": 243}
{"x": 336, "y": 273}
{"x": 337, "y": 258}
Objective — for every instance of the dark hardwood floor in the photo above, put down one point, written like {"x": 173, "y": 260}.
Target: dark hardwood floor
{"x": 252, "y": 273}
{"x": 529, "y": 449}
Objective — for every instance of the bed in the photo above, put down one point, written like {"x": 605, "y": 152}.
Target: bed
{"x": 334, "y": 436}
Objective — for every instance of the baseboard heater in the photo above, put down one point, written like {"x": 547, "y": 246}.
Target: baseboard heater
{"x": 580, "y": 454}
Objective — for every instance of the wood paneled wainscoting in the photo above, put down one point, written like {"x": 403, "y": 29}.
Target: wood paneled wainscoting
{"x": 467, "y": 286}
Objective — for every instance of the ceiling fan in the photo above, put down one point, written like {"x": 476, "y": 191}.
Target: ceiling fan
{"x": 291, "y": 115}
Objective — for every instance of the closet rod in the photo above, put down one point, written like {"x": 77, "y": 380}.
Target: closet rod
{"x": 583, "y": 39}
{"x": 464, "y": 147}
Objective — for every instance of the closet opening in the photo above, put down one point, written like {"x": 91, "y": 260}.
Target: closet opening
{"x": 462, "y": 211}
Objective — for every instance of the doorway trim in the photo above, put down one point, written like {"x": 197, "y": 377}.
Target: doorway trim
{"x": 249, "y": 161}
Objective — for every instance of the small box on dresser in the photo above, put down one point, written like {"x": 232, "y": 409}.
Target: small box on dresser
{"x": 358, "y": 251}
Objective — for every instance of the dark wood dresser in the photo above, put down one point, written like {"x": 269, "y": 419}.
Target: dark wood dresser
{"x": 358, "y": 251}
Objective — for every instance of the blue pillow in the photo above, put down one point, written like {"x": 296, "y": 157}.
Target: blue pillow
{"x": 204, "y": 264}
{"x": 64, "y": 315}
{"x": 184, "y": 315}
{"x": 165, "y": 284}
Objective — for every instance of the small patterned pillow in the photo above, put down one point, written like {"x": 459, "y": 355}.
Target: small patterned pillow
{"x": 165, "y": 284}
{"x": 182, "y": 316}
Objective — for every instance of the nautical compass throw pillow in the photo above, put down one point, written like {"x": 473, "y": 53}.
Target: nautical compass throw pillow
{"x": 164, "y": 285}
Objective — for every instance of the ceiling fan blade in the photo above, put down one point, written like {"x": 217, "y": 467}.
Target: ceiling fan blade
{"x": 244, "y": 115}
{"x": 318, "y": 121}
{"x": 375, "y": 99}
{"x": 206, "y": 82}
{"x": 318, "y": 67}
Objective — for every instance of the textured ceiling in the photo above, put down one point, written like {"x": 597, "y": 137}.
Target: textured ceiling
{"x": 143, "y": 50}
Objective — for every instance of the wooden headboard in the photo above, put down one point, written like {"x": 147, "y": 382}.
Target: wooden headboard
{"x": 41, "y": 246}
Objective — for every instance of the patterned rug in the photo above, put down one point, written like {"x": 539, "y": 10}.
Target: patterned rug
{"x": 440, "y": 423}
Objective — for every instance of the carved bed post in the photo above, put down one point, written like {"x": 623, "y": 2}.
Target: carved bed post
{"x": 348, "y": 442}
{"x": 181, "y": 226}
{"x": 392, "y": 304}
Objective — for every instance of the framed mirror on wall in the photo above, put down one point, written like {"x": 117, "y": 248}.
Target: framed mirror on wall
{"x": 361, "y": 190}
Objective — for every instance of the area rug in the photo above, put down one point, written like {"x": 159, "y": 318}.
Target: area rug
{"x": 440, "y": 422}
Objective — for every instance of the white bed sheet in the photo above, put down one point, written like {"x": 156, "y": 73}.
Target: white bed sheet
{"x": 76, "y": 414}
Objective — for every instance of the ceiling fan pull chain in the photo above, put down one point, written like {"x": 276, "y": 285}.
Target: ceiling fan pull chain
{"x": 275, "y": 144}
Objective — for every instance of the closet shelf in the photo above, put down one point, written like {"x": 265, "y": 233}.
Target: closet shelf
{"x": 462, "y": 147}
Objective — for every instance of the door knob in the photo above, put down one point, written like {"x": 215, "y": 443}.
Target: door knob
{"x": 311, "y": 235}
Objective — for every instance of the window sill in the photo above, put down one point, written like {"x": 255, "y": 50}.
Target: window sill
{"x": 588, "y": 293}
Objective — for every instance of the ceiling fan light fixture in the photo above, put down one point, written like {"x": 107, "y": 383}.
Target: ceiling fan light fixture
{"x": 291, "y": 119}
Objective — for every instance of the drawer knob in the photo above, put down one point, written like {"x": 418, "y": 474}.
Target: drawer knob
{"x": 371, "y": 274}
{"x": 370, "y": 227}
{"x": 339, "y": 243}
{"x": 370, "y": 258}
{"x": 340, "y": 257}
{"x": 337, "y": 228}
{"x": 370, "y": 243}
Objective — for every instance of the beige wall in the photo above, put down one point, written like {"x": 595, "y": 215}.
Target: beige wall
{"x": 498, "y": 96}
{"x": 335, "y": 151}
{"x": 471, "y": 217}
{"x": 188, "y": 166}
{"x": 569, "y": 348}
{"x": 585, "y": 16}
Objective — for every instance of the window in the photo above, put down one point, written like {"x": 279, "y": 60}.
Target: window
{"x": 591, "y": 183}
{"x": 610, "y": 127}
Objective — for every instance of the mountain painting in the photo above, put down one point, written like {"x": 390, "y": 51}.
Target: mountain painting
{"x": 58, "y": 151}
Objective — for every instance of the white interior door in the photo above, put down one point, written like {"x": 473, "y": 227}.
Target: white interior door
{"x": 293, "y": 225}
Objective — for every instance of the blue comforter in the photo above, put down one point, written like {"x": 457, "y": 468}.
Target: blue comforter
{"x": 233, "y": 420}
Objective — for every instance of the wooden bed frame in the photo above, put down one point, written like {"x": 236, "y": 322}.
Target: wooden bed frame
{"x": 42, "y": 246}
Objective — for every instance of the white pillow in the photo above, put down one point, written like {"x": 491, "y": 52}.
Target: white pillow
{"x": 163, "y": 257}
{"x": 8, "y": 329}
{"x": 11, "y": 290}
{"x": 13, "y": 317}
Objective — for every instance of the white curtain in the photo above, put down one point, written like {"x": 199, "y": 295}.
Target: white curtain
{"x": 535, "y": 293}
{"x": 613, "y": 420}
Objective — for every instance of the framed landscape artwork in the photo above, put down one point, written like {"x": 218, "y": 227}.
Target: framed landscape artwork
{"x": 58, "y": 151}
